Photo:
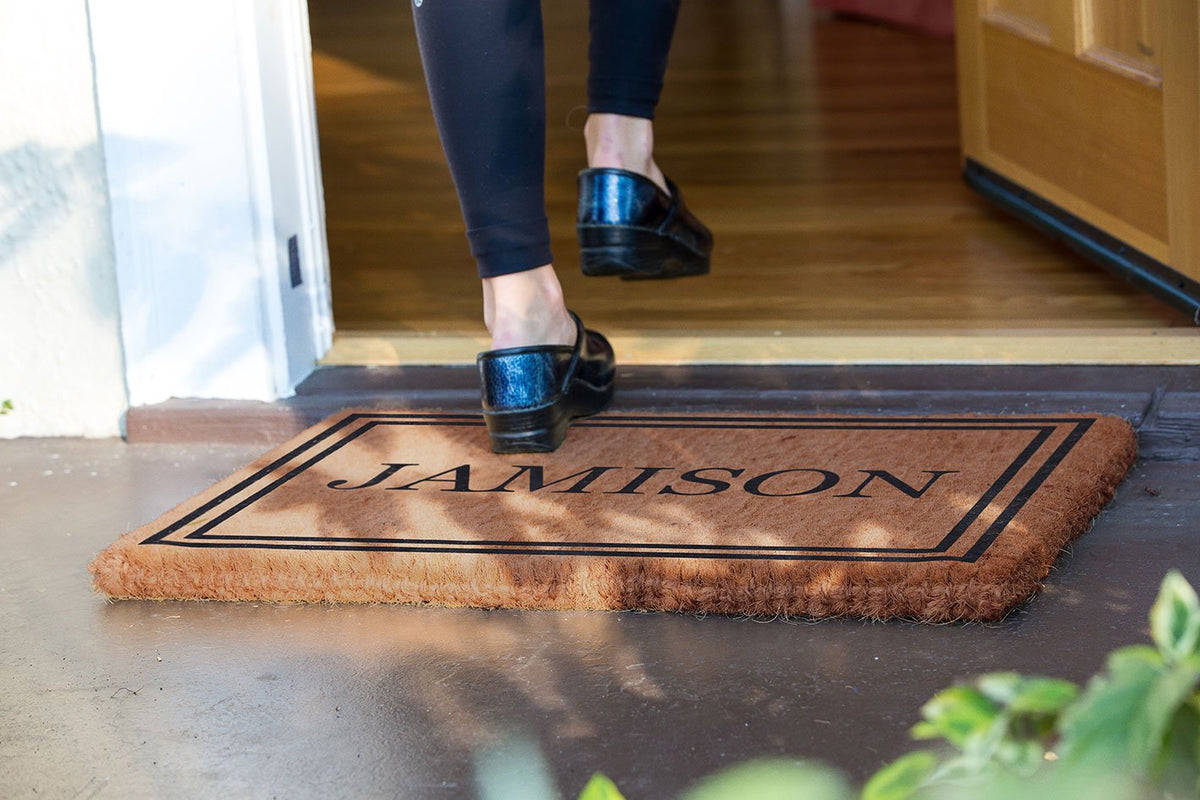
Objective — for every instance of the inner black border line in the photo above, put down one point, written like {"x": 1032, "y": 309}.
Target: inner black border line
{"x": 1081, "y": 425}
{"x": 468, "y": 546}
{"x": 1017, "y": 503}
{"x": 377, "y": 419}
{"x": 246, "y": 502}
{"x": 319, "y": 543}
{"x": 459, "y": 546}
{"x": 524, "y": 550}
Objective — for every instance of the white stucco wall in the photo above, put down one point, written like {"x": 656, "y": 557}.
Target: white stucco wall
{"x": 60, "y": 344}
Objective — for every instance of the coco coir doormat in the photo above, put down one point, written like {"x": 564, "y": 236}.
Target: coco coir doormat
{"x": 937, "y": 519}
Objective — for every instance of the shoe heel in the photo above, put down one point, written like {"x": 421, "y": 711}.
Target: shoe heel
{"x": 635, "y": 253}
{"x": 610, "y": 250}
{"x": 542, "y": 430}
{"x": 535, "y": 430}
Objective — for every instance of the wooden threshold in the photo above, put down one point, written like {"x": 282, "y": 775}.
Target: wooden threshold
{"x": 1150, "y": 346}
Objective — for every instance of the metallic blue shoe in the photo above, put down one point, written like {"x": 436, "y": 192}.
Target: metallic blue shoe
{"x": 531, "y": 394}
{"x": 630, "y": 227}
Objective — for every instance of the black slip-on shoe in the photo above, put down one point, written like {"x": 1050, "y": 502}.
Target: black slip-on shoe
{"x": 630, "y": 227}
{"x": 531, "y": 394}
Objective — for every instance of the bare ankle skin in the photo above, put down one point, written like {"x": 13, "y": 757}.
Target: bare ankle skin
{"x": 615, "y": 140}
{"x": 527, "y": 308}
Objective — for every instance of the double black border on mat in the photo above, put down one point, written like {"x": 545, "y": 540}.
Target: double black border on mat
{"x": 1041, "y": 428}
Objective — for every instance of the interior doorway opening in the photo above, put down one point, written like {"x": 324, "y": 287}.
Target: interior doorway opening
{"x": 822, "y": 151}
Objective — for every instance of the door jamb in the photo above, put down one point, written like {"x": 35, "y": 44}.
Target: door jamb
{"x": 199, "y": 167}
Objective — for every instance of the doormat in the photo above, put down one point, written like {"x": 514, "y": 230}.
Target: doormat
{"x": 934, "y": 519}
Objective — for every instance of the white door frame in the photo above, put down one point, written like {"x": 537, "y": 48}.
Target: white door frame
{"x": 208, "y": 122}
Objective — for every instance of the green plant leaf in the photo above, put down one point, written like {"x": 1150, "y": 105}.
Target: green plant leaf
{"x": 1133, "y": 659}
{"x": 1179, "y": 766}
{"x": 900, "y": 779}
{"x": 1027, "y": 695}
{"x": 1043, "y": 696}
{"x": 1095, "y": 782}
{"x": 6, "y": 406}
{"x": 957, "y": 714}
{"x": 1175, "y": 618}
{"x": 962, "y": 771}
{"x": 984, "y": 745}
{"x": 1125, "y": 715}
{"x": 1100, "y": 725}
{"x": 601, "y": 787}
{"x": 772, "y": 779}
{"x": 1000, "y": 687}
{"x": 1168, "y": 698}
{"x": 1021, "y": 756}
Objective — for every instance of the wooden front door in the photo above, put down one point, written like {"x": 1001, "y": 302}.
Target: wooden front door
{"x": 1083, "y": 116}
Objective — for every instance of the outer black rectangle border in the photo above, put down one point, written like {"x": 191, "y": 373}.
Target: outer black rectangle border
{"x": 1041, "y": 428}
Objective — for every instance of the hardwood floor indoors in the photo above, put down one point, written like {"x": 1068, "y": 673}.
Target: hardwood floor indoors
{"x": 824, "y": 154}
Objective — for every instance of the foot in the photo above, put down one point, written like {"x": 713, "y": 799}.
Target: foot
{"x": 629, "y": 227}
{"x": 614, "y": 140}
{"x": 530, "y": 396}
{"x": 527, "y": 308}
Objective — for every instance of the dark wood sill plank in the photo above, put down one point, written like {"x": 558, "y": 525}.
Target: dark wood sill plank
{"x": 1162, "y": 402}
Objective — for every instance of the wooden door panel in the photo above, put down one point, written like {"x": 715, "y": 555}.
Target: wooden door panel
{"x": 1126, "y": 37}
{"x": 1089, "y": 108}
{"x": 1048, "y": 22}
{"x": 1089, "y": 135}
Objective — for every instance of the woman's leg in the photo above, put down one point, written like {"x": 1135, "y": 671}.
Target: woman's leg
{"x": 630, "y": 43}
{"x": 632, "y": 222}
{"x": 485, "y": 67}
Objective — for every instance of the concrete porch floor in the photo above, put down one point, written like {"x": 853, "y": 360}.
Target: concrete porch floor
{"x": 141, "y": 699}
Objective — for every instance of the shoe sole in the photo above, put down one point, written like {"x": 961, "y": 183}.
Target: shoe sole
{"x": 636, "y": 254}
{"x": 543, "y": 429}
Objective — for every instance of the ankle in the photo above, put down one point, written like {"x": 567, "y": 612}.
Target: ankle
{"x": 622, "y": 142}
{"x": 531, "y": 327}
{"x": 527, "y": 308}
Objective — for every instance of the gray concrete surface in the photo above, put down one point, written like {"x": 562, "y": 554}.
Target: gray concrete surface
{"x": 166, "y": 700}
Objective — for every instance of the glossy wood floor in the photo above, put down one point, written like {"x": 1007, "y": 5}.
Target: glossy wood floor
{"x": 822, "y": 152}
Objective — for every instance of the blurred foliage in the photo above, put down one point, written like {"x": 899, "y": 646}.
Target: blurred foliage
{"x": 772, "y": 779}
{"x": 601, "y": 788}
{"x": 1132, "y": 733}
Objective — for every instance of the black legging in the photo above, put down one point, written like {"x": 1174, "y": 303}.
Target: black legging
{"x": 485, "y": 66}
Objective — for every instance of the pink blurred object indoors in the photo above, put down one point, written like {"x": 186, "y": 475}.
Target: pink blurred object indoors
{"x": 935, "y": 17}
